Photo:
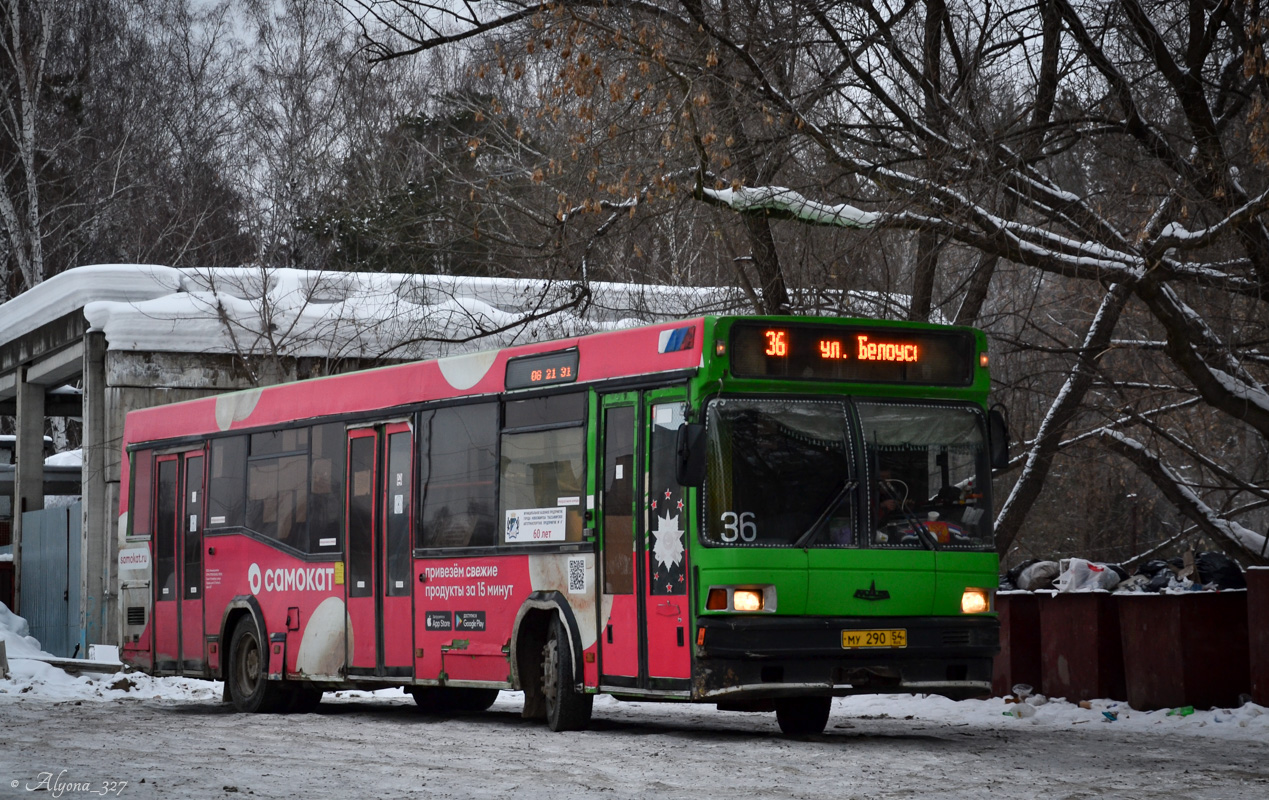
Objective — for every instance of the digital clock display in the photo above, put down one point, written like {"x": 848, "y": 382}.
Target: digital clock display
{"x": 816, "y": 351}
{"x": 544, "y": 369}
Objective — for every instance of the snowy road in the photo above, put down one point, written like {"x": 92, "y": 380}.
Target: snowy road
{"x": 170, "y": 739}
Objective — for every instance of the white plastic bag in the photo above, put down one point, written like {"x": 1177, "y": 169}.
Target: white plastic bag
{"x": 1079, "y": 575}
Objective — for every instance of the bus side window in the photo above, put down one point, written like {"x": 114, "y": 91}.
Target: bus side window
{"x": 226, "y": 485}
{"x": 541, "y": 470}
{"x": 277, "y": 486}
{"x": 326, "y": 488}
{"x": 458, "y": 445}
{"x": 142, "y": 487}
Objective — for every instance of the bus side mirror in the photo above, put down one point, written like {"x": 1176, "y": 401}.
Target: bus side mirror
{"x": 689, "y": 468}
{"x": 998, "y": 438}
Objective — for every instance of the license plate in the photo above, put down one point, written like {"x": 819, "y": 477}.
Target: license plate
{"x": 896, "y": 637}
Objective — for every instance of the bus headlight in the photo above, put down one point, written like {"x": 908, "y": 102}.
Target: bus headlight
{"x": 747, "y": 599}
{"x": 975, "y": 601}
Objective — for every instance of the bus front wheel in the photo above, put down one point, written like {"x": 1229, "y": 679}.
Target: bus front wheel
{"x": 803, "y": 716}
{"x": 566, "y": 708}
{"x": 250, "y": 687}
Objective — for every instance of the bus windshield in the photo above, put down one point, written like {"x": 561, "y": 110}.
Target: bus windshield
{"x": 779, "y": 473}
{"x": 928, "y": 468}
{"x": 782, "y": 473}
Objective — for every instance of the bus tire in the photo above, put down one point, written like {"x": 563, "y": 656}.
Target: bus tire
{"x": 251, "y": 689}
{"x": 450, "y": 700}
{"x": 566, "y": 708}
{"x": 803, "y": 716}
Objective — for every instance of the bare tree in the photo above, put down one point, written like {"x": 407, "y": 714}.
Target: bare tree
{"x": 1117, "y": 145}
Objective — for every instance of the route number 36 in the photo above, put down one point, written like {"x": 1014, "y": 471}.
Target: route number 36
{"x": 739, "y": 526}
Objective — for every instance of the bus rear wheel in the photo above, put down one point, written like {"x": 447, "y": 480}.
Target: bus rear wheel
{"x": 249, "y": 685}
{"x": 566, "y": 708}
{"x": 803, "y": 716}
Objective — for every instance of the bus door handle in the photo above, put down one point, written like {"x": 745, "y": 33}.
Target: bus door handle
{"x": 668, "y": 609}
{"x": 211, "y": 551}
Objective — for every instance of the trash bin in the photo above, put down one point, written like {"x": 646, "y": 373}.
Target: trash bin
{"x": 1019, "y": 658}
{"x": 1258, "y": 632}
{"x": 1187, "y": 649}
{"x": 1081, "y": 656}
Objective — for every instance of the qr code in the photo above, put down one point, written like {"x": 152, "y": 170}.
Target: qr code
{"x": 576, "y": 576}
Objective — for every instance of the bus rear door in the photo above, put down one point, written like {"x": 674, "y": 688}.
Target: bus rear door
{"x": 179, "y": 644}
{"x": 379, "y": 551}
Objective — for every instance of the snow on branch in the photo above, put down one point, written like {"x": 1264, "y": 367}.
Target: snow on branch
{"x": 1249, "y": 544}
{"x": 1175, "y": 234}
{"x": 792, "y": 205}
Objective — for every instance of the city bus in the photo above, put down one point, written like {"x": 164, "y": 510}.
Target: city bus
{"x": 761, "y": 513}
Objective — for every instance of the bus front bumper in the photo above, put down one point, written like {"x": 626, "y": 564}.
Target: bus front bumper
{"x": 747, "y": 659}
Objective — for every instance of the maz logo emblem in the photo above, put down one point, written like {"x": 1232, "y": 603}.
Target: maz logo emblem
{"x": 871, "y": 593}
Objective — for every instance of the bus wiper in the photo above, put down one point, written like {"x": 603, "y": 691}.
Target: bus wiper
{"x": 838, "y": 496}
{"x": 923, "y": 533}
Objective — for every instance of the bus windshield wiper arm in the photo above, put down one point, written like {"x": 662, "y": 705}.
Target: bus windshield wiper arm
{"x": 923, "y": 533}
{"x": 838, "y": 496}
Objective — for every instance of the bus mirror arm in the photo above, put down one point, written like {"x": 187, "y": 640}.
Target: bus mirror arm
{"x": 998, "y": 437}
{"x": 689, "y": 469}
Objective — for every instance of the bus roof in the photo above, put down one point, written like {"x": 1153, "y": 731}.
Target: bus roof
{"x": 631, "y": 352}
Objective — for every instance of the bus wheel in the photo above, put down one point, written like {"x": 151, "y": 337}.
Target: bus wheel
{"x": 449, "y": 700}
{"x": 251, "y": 688}
{"x": 566, "y": 708}
{"x": 803, "y": 716}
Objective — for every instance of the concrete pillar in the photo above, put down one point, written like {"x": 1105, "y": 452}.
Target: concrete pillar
{"x": 28, "y": 479}
{"x": 98, "y": 620}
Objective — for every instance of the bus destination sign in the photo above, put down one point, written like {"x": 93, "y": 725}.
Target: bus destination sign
{"x": 544, "y": 369}
{"x": 852, "y": 353}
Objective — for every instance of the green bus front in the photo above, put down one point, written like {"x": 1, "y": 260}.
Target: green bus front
{"x": 842, "y": 536}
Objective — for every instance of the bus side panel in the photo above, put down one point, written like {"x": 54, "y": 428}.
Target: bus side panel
{"x": 304, "y": 600}
{"x": 466, "y": 608}
{"x": 464, "y": 614}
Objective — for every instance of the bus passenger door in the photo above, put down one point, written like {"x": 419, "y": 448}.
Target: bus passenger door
{"x": 665, "y": 594}
{"x": 380, "y": 503}
{"x": 362, "y": 639}
{"x": 396, "y": 620}
{"x": 193, "y": 644}
{"x": 619, "y": 618}
{"x": 178, "y": 563}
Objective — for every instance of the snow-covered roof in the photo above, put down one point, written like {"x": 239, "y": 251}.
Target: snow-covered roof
{"x": 259, "y": 311}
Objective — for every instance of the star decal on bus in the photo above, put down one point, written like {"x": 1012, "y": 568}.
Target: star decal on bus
{"x": 668, "y": 549}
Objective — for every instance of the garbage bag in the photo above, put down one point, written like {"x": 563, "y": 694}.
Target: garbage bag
{"x": 1160, "y": 581}
{"x": 1015, "y": 573}
{"x": 1219, "y": 571}
{"x": 1135, "y": 583}
{"x": 1085, "y": 576}
{"x": 1151, "y": 568}
{"x": 1038, "y": 576}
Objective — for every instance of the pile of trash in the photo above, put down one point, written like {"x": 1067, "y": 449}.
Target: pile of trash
{"x": 1207, "y": 571}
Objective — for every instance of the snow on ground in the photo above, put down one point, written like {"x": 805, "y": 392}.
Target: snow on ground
{"x": 131, "y": 735}
{"x": 39, "y": 682}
